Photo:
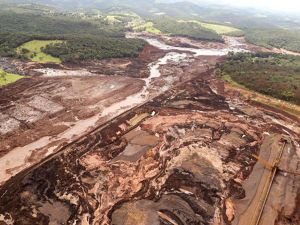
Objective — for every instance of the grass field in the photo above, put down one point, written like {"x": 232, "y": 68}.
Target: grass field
{"x": 279, "y": 38}
{"x": 8, "y": 78}
{"x": 112, "y": 19}
{"x": 218, "y": 28}
{"x": 33, "y": 51}
{"x": 148, "y": 27}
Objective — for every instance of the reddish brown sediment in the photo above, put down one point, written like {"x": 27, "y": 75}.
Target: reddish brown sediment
{"x": 181, "y": 157}
{"x": 200, "y": 154}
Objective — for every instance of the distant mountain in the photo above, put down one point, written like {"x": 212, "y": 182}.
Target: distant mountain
{"x": 178, "y": 8}
{"x": 144, "y": 7}
{"x": 198, "y": 9}
{"x": 71, "y": 4}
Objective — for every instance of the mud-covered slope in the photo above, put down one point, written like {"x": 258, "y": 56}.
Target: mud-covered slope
{"x": 180, "y": 159}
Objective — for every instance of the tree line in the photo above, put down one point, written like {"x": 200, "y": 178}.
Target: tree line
{"x": 276, "y": 75}
{"x": 171, "y": 26}
{"x": 83, "y": 39}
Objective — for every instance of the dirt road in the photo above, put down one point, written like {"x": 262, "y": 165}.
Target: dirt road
{"x": 257, "y": 186}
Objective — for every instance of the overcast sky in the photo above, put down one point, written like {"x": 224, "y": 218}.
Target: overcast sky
{"x": 270, "y": 5}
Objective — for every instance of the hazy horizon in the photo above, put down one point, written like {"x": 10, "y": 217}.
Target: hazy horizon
{"x": 292, "y": 6}
{"x": 276, "y": 6}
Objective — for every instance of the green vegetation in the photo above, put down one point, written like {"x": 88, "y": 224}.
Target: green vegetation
{"x": 109, "y": 20}
{"x": 7, "y": 78}
{"x": 33, "y": 50}
{"x": 279, "y": 38}
{"x": 75, "y": 49}
{"x": 171, "y": 26}
{"x": 229, "y": 80}
{"x": 188, "y": 10}
{"x": 147, "y": 26}
{"x": 19, "y": 34}
{"x": 42, "y": 25}
{"x": 271, "y": 74}
{"x": 10, "y": 41}
{"x": 112, "y": 19}
{"x": 218, "y": 28}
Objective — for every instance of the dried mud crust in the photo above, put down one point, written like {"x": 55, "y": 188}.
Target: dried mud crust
{"x": 41, "y": 114}
{"x": 179, "y": 159}
{"x": 228, "y": 41}
{"x": 40, "y": 106}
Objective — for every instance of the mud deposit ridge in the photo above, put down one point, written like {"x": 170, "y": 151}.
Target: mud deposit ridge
{"x": 170, "y": 148}
{"x": 203, "y": 152}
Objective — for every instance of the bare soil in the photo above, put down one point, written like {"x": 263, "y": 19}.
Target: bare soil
{"x": 179, "y": 153}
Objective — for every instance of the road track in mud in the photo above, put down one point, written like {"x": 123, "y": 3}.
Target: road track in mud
{"x": 253, "y": 216}
{"x": 167, "y": 193}
{"x": 267, "y": 175}
{"x": 88, "y": 153}
{"x": 98, "y": 128}
{"x": 270, "y": 182}
{"x": 64, "y": 147}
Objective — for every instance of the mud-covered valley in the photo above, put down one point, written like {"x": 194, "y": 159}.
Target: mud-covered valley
{"x": 151, "y": 140}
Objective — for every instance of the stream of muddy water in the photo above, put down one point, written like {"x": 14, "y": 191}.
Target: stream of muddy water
{"x": 232, "y": 46}
{"x": 16, "y": 160}
{"x": 177, "y": 56}
{"x": 185, "y": 165}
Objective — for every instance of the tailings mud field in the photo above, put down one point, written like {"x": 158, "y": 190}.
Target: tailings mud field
{"x": 57, "y": 103}
{"x": 180, "y": 159}
{"x": 170, "y": 148}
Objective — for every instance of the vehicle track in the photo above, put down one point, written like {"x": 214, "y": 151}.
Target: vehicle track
{"x": 9, "y": 183}
{"x": 98, "y": 128}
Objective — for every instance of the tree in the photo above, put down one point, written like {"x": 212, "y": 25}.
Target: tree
{"x": 3, "y": 75}
{"x": 24, "y": 51}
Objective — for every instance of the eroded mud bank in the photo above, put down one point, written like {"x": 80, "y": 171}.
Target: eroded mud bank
{"x": 59, "y": 103}
{"x": 179, "y": 159}
{"x": 184, "y": 156}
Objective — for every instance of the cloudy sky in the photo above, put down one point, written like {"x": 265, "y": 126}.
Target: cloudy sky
{"x": 270, "y": 5}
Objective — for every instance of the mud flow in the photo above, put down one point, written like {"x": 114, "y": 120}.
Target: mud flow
{"x": 152, "y": 140}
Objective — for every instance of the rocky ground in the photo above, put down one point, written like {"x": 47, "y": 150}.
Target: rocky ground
{"x": 184, "y": 156}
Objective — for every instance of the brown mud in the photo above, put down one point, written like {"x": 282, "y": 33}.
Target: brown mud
{"x": 201, "y": 154}
{"x": 181, "y": 157}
